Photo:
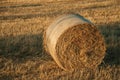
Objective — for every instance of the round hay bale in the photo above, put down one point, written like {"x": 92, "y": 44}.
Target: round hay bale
{"x": 74, "y": 42}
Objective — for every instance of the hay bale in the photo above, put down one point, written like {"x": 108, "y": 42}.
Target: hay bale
{"x": 74, "y": 42}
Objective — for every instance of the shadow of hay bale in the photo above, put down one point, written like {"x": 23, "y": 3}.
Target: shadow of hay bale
{"x": 23, "y": 47}
{"x": 111, "y": 33}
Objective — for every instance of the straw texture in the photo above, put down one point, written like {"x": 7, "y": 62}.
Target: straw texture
{"x": 74, "y": 42}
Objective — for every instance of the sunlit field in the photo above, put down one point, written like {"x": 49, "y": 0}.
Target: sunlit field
{"x": 23, "y": 22}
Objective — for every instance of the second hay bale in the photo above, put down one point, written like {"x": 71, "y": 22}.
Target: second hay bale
{"x": 74, "y": 42}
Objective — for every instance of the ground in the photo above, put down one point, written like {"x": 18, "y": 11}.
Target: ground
{"x": 23, "y": 22}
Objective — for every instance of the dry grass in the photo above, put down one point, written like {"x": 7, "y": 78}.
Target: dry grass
{"x": 21, "y": 27}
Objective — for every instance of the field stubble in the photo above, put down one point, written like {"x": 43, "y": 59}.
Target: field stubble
{"x": 22, "y": 24}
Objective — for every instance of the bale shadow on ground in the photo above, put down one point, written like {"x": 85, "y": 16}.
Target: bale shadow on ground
{"x": 111, "y": 33}
{"x": 22, "y": 48}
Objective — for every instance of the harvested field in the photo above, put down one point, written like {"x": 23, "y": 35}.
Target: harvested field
{"x": 23, "y": 23}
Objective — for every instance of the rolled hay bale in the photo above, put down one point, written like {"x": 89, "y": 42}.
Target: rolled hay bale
{"x": 73, "y": 42}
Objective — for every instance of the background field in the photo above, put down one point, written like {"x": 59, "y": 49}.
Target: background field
{"x": 22, "y": 23}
